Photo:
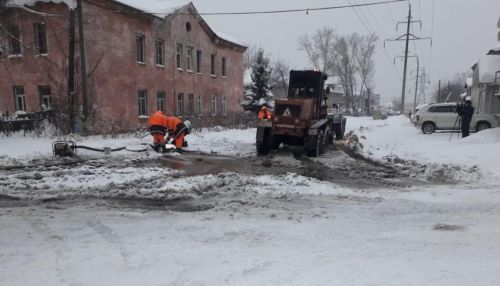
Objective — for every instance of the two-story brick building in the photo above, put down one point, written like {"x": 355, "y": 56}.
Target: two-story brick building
{"x": 139, "y": 58}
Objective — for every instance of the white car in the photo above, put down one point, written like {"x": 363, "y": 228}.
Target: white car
{"x": 443, "y": 116}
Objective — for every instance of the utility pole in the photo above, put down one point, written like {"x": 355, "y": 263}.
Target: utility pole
{"x": 407, "y": 38}
{"x": 406, "y": 56}
{"x": 83, "y": 65}
{"x": 439, "y": 91}
{"x": 71, "y": 70}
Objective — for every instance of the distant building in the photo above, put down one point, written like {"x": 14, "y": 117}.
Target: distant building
{"x": 137, "y": 60}
{"x": 337, "y": 96}
{"x": 484, "y": 87}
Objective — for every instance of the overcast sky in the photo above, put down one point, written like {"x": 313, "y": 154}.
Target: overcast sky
{"x": 462, "y": 31}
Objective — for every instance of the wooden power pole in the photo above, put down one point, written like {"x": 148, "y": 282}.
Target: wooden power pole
{"x": 83, "y": 66}
{"x": 71, "y": 71}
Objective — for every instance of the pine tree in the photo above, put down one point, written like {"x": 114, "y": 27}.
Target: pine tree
{"x": 260, "y": 92}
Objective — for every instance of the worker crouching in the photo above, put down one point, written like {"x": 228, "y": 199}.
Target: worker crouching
{"x": 158, "y": 129}
{"x": 177, "y": 131}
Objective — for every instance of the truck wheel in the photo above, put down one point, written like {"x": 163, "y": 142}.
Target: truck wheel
{"x": 314, "y": 150}
{"x": 275, "y": 142}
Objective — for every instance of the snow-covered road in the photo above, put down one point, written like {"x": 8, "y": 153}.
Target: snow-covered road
{"x": 417, "y": 215}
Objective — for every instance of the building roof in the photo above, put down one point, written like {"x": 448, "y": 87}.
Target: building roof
{"x": 158, "y": 8}
{"x": 495, "y": 50}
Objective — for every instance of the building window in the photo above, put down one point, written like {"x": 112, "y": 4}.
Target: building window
{"x": 189, "y": 58}
{"x": 140, "y": 41}
{"x": 214, "y": 105}
{"x": 14, "y": 41}
{"x": 160, "y": 101}
{"x": 224, "y": 106}
{"x": 223, "y": 67}
{"x": 41, "y": 47}
{"x": 20, "y": 98}
{"x": 160, "y": 52}
{"x": 198, "y": 61}
{"x": 199, "y": 106}
{"x": 180, "y": 104}
{"x": 143, "y": 102}
{"x": 178, "y": 56}
{"x": 212, "y": 64}
{"x": 191, "y": 104}
{"x": 45, "y": 97}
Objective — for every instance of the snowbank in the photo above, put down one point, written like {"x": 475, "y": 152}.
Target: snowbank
{"x": 397, "y": 136}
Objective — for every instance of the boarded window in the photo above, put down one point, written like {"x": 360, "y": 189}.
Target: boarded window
{"x": 40, "y": 33}
{"x": 198, "y": 61}
{"x": 189, "y": 58}
{"x": 20, "y": 98}
{"x": 160, "y": 52}
{"x": 45, "y": 96}
{"x": 178, "y": 56}
{"x": 212, "y": 64}
{"x": 160, "y": 101}
{"x": 14, "y": 41}
{"x": 224, "y": 62}
{"x": 143, "y": 102}
{"x": 141, "y": 48}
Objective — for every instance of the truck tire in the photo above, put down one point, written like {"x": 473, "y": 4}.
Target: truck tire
{"x": 275, "y": 142}
{"x": 315, "y": 144}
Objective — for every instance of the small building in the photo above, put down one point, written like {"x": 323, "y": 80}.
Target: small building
{"x": 140, "y": 58}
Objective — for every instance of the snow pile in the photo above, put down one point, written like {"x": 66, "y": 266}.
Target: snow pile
{"x": 156, "y": 6}
{"x": 70, "y": 3}
{"x": 397, "y": 137}
{"x": 226, "y": 142}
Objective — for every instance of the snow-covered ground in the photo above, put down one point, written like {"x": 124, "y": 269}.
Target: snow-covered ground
{"x": 246, "y": 229}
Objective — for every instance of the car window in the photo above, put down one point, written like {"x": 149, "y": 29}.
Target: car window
{"x": 443, "y": 109}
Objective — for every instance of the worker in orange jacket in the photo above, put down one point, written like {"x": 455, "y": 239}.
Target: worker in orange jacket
{"x": 177, "y": 130}
{"x": 265, "y": 113}
{"x": 158, "y": 129}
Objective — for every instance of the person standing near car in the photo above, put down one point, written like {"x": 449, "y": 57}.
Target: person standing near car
{"x": 465, "y": 111}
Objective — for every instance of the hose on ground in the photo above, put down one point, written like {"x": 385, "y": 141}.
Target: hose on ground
{"x": 97, "y": 149}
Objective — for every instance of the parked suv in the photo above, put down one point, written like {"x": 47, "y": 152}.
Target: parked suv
{"x": 443, "y": 116}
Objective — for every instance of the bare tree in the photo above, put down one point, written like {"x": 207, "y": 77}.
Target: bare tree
{"x": 319, "y": 48}
{"x": 280, "y": 72}
{"x": 250, "y": 56}
{"x": 452, "y": 90}
{"x": 345, "y": 65}
{"x": 366, "y": 67}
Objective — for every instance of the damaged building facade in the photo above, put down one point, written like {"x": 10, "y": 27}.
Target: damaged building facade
{"x": 139, "y": 59}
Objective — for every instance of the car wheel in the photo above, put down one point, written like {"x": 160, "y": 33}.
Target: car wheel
{"x": 482, "y": 126}
{"x": 428, "y": 127}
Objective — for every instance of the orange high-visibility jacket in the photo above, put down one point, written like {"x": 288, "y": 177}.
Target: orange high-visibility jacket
{"x": 172, "y": 122}
{"x": 264, "y": 113}
{"x": 158, "y": 119}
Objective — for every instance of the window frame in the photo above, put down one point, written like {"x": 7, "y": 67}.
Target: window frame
{"x": 18, "y": 96}
{"x": 161, "y": 97}
{"x": 224, "y": 106}
{"x": 199, "y": 105}
{"x": 14, "y": 41}
{"x": 212, "y": 65}
{"x": 178, "y": 56}
{"x": 142, "y": 97}
{"x": 224, "y": 67}
{"x": 180, "y": 103}
{"x": 213, "y": 105}
{"x": 199, "y": 56}
{"x": 191, "y": 104}
{"x": 189, "y": 58}
{"x": 43, "y": 95}
{"x": 140, "y": 48}
{"x": 40, "y": 42}
{"x": 160, "y": 52}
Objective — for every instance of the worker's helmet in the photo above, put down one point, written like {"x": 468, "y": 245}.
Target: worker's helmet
{"x": 264, "y": 107}
{"x": 468, "y": 98}
{"x": 188, "y": 124}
